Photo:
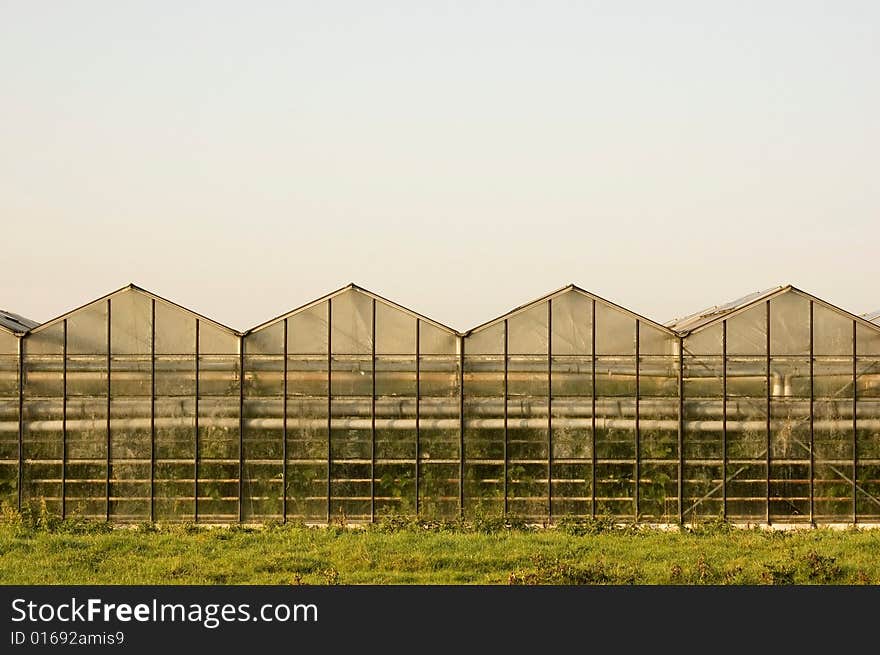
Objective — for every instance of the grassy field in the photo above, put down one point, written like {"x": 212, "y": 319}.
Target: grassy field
{"x": 44, "y": 551}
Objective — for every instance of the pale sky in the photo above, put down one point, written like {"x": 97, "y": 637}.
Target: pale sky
{"x": 460, "y": 158}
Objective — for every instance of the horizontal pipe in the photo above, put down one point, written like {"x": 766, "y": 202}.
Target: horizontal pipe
{"x": 436, "y": 424}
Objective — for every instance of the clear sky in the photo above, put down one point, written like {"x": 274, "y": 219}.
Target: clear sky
{"x": 460, "y": 158}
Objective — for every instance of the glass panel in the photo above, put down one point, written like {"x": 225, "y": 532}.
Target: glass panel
{"x": 615, "y": 331}
{"x": 214, "y": 340}
{"x": 175, "y": 330}
{"x": 86, "y": 456}
{"x": 658, "y": 376}
{"x": 868, "y": 448}
{"x": 8, "y": 343}
{"x": 307, "y": 331}
{"x": 352, "y": 321}
{"x": 790, "y": 453}
{"x": 527, "y": 331}
{"x": 351, "y": 436}
{"x": 439, "y": 437}
{"x": 130, "y": 459}
{"x": 42, "y": 450}
{"x": 746, "y": 437}
{"x": 218, "y": 459}
{"x": 704, "y": 342}
{"x": 43, "y": 376}
{"x": 488, "y": 341}
{"x": 747, "y": 332}
{"x": 832, "y": 332}
{"x": 572, "y": 376}
{"x": 833, "y": 448}
{"x": 703, "y": 376}
{"x": 307, "y": 437}
{"x": 87, "y": 330}
{"x": 395, "y": 331}
{"x": 434, "y": 341}
{"x": 653, "y": 341}
{"x": 867, "y": 340}
{"x": 175, "y": 453}
{"x": 790, "y": 324}
{"x": 263, "y": 443}
{"x": 616, "y": 376}
{"x": 572, "y": 324}
{"x": 484, "y": 433}
{"x": 266, "y": 341}
{"x": 48, "y": 341}
{"x": 131, "y": 323}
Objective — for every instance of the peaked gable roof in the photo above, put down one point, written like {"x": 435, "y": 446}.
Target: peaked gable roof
{"x": 566, "y": 289}
{"x": 352, "y": 287}
{"x": 714, "y": 315}
{"x": 137, "y": 289}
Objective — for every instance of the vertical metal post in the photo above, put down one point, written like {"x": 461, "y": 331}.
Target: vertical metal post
{"x": 109, "y": 444}
{"x": 461, "y": 359}
{"x": 418, "y": 414}
{"x": 769, "y": 391}
{"x": 724, "y": 419}
{"x": 855, "y": 434}
{"x": 196, "y": 453}
{"x": 593, "y": 409}
{"x": 240, "y": 429}
{"x": 812, "y": 423}
{"x": 20, "y": 419}
{"x": 506, "y": 415}
{"x": 329, "y": 402}
{"x": 152, "y": 409}
{"x": 284, "y": 429}
{"x": 550, "y": 410}
{"x": 638, "y": 463}
{"x": 373, "y": 413}
{"x": 64, "y": 422}
{"x": 680, "y": 490}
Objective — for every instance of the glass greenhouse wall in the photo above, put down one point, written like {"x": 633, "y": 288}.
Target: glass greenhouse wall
{"x": 132, "y": 408}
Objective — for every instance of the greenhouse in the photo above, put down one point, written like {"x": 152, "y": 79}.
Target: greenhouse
{"x": 351, "y": 408}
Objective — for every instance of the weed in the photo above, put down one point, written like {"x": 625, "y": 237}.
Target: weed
{"x": 821, "y": 568}
{"x": 780, "y": 573}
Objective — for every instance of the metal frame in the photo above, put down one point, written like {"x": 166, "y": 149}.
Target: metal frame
{"x": 638, "y": 444}
{"x": 769, "y": 391}
{"x": 196, "y": 450}
{"x": 373, "y": 411}
{"x": 329, "y": 407}
{"x": 461, "y": 454}
{"x": 593, "y": 409}
{"x": 20, "y": 345}
{"x": 721, "y": 316}
{"x": 152, "y": 409}
{"x": 680, "y": 430}
{"x": 549, "y": 409}
{"x": 418, "y": 482}
{"x": 812, "y": 425}
{"x": 284, "y": 427}
{"x": 506, "y": 414}
{"x": 109, "y": 374}
{"x": 855, "y": 432}
{"x": 724, "y": 419}
{"x": 64, "y": 424}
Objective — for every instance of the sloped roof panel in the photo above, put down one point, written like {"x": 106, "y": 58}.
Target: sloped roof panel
{"x": 699, "y": 319}
{"x": 571, "y": 288}
{"x": 15, "y": 322}
{"x": 346, "y": 288}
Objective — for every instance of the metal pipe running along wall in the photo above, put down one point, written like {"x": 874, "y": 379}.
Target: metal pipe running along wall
{"x": 128, "y": 411}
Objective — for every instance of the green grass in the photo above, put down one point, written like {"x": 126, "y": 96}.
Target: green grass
{"x": 46, "y": 551}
